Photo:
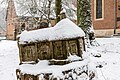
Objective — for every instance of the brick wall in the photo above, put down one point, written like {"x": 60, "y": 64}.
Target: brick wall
{"x": 108, "y": 20}
{"x": 11, "y": 14}
{"x": 118, "y": 13}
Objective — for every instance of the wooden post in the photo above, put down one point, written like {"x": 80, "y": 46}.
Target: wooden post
{"x": 64, "y": 49}
{"x": 84, "y": 43}
{"x": 78, "y": 48}
{"x": 36, "y": 54}
{"x": 67, "y": 48}
{"x": 51, "y": 49}
{"x": 20, "y": 54}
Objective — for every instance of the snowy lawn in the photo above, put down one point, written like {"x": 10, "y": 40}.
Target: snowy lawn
{"x": 109, "y": 61}
{"x": 8, "y": 60}
{"x": 110, "y": 58}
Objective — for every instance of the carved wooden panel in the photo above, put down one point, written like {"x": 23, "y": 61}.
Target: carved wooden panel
{"x": 43, "y": 50}
{"x": 28, "y": 53}
{"x": 58, "y": 50}
{"x": 30, "y": 77}
{"x": 50, "y": 50}
{"x": 73, "y": 47}
{"x": 81, "y": 44}
{"x": 64, "y": 49}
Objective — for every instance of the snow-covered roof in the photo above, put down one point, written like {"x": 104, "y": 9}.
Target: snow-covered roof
{"x": 64, "y": 29}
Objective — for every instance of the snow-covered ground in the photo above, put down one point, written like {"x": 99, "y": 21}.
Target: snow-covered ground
{"x": 8, "y": 60}
{"x": 110, "y": 58}
{"x": 109, "y": 61}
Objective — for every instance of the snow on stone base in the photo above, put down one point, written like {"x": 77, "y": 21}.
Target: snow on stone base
{"x": 79, "y": 70}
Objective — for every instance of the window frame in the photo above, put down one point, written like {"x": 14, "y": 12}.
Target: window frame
{"x": 95, "y": 16}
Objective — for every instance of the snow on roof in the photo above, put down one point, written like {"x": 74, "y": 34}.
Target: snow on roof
{"x": 64, "y": 29}
{"x": 35, "y": 35}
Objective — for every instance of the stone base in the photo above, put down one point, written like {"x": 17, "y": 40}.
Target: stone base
{"x": 70, "y": 74}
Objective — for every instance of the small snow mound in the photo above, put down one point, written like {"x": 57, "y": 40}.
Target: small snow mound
{"x": 73, "y": 58}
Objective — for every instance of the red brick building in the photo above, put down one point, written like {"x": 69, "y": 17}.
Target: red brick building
{"x": 106, "y": 16}
{"x": 16, "y": 23}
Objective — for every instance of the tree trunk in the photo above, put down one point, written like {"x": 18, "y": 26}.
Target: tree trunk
{"x": 58, "y": 6}
{"x": 84, "y": 14}
{"x": 84, "y": 20}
